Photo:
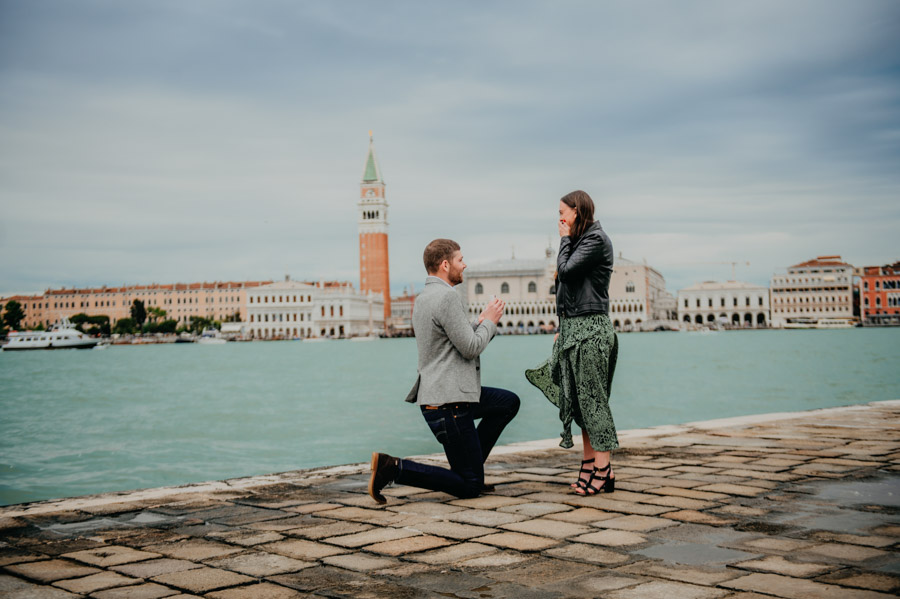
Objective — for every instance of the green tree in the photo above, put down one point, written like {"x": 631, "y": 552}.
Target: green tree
{"x": 13, "y": 315}
{"x": 124, "y": 326}
{"x": 79, "y": 320}
{"x": 138, "y": 312}
{"x": 156, "y": 313}
{"x": 167, "y": 326}
{"x": 99, "y": 323}
{"x": 198, "y": 323}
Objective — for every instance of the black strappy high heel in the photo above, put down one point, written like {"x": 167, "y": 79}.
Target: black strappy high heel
{"x": 581, "y": 482}
{"x": 608, "y": 482}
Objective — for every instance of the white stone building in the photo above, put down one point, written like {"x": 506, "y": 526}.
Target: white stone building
{"x": 732, "y": 303}
{"x": 400, "y": 323}
{"x": 298, "y": 310}
{"x": 638, "y": 296}
{"x": 525, "y": 285}
{"x": 816, "y": 289}
{"x": 638, "y": 299}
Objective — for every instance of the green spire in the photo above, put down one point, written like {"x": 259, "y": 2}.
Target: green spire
{"x": 372, "y": 173}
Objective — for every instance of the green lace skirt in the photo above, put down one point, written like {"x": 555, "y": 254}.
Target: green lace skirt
{"x": 578, "y": 376}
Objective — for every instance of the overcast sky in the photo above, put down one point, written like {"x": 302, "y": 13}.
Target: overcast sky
{"x": 188, "y": 140}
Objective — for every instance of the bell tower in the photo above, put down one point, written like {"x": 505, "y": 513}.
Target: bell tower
{"x": 374, "y": 274}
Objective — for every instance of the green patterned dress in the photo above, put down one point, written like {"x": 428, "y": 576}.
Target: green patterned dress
{"x": 578, "y": 376}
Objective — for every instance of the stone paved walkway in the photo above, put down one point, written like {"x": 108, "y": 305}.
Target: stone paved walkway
{"x": 795, "y": 506}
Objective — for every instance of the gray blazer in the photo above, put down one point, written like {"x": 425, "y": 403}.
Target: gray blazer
{"x": 449, "y": 345}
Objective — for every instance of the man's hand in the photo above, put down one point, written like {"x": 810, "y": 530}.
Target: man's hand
{"x": 494, "y": 311}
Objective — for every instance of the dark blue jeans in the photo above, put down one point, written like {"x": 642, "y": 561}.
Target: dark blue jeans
{"x": 466, "y": 446}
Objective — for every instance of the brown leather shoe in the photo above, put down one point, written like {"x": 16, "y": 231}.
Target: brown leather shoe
{"x": 385, "y": 469}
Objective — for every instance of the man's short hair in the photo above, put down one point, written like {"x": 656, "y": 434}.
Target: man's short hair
{"x": 436, "y": 252}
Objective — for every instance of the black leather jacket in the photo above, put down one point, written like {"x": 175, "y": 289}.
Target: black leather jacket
{"x": 583, "y": 270}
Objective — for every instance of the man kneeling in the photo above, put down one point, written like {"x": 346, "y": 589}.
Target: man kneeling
{"x": 448, "y": 389}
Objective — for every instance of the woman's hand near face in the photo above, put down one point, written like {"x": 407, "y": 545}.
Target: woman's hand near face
{"x": 567, "y": 216}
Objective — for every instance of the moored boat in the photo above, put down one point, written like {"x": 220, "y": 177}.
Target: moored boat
{"x": 819, "y": 323}
{"x": 61, "y": 336}
{"x": 211, "y": 337}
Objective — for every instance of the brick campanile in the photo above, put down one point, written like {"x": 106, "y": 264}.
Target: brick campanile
{"x": 374, "y": 273}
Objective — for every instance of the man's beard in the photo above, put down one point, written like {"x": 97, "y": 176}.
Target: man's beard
{"x": 455, "y": 276}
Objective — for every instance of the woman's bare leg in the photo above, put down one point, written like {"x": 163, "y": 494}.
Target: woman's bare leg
{"x": 587, "y": 464}
{"x": 600, "y": 461}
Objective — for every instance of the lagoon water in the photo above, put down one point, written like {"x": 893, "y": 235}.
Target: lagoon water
{"x": 129, "y": 417}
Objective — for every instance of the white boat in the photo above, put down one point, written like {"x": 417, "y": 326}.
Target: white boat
{"x": 211, "y": 337}
{"x": 819, "y": 323}
{"x": 61, "y": 336}
{"x": 835, "y": 323}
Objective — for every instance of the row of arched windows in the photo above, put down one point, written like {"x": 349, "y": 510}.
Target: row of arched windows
{"x": 371, "y": 214}
{"x": 811, "y": 300}
{"x": 814, "y": 309}
{"x": 281, "y": 299}
{"x": 513, "y": 309}
{"x": 278, "y": 317}
{"x": 626, "y": 308}
{"x": 504, "y": 288}
{"x": 888, "y": 284}
{"x": 529, "y": 327}
{"x": 280, "y": 332}
{"x": 735, "y": 318}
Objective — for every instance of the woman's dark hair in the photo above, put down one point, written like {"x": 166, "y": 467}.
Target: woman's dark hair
{"x": 583, "y": 205}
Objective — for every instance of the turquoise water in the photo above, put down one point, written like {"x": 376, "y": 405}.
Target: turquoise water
{"x": 79, "y": 422}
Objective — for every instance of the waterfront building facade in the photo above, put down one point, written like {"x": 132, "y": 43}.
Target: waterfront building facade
{"x": 527, "y": 287}
{"x": 301, "y": 310}
{"x": 732, "y": 303}
{"x": 400, "y": 324}
{"x": 32, "y": 308}
{"x": 820, "y": 289}
{"x": 637, "y": 294}
{"x": 341, "y": 311}
{"x": 638, "y": 299}
{"x": 282, "y": 309}
{"x": 879, "y": 291}
{"x": 374, "y": 271}
{"x": 181, "y": 301}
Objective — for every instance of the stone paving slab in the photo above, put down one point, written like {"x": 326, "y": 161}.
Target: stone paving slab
{"x": 110, "y": 556}
{"x": 260, "y": 564}
{"x": 148, "y": 590}
{"x": 553, "y": 529}
{"x": 96, "y": 582}
{"x": 202, "y": 579}
{"x": 151, "y": 568}
{"x": 51, "y": 570}
{"x": 793, "y": 506}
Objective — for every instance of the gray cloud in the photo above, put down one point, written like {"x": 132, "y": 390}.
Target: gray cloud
{"x": 171, "y": 141}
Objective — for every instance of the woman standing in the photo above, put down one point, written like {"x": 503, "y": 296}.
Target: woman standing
{"x": 578, "y": 376}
